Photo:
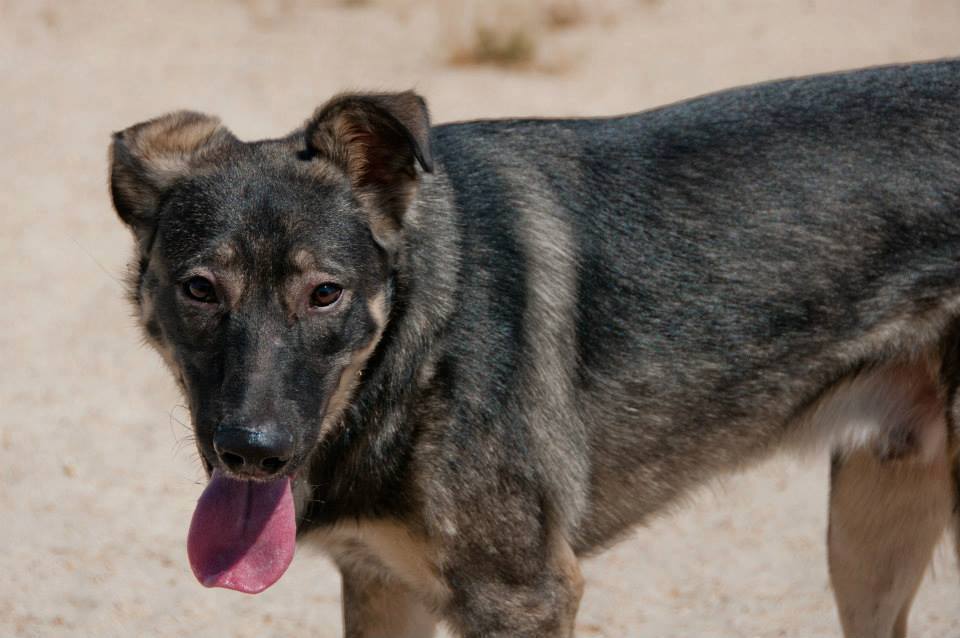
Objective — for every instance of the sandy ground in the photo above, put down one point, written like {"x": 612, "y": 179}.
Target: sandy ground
{"x": 97, "y": 476}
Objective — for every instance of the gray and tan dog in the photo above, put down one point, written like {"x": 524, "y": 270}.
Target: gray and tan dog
{"x": 462, "y": 357}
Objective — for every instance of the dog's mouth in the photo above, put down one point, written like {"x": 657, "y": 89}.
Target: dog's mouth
{"x": 243, "y": 533}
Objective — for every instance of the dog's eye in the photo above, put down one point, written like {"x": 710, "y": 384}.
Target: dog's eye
{"x": 200, "y": 289}
{"x": 326, "y": 294}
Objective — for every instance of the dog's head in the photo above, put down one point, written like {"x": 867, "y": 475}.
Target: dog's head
{"x": 263, "y": 270}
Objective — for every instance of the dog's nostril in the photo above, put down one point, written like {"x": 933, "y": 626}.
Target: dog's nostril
{"x": 260, "y": 451}
{"x": 233, "y": 461}
{"x": 273, "y": 464}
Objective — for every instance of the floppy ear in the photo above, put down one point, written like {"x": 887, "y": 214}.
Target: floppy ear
{"x": 378, "y": 140}
{"x": 149, "y": 157}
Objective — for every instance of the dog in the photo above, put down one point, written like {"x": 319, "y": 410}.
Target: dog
{"x": 463, "y": 357}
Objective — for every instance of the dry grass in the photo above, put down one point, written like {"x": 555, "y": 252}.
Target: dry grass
{"x": 565, "y": 14}
{"x": 512, "y": 48}
{"x": 491, "y": 32}
{"x": 511, "y": 33}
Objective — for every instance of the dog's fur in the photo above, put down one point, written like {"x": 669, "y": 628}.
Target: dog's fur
{"x": 551, "y": 329}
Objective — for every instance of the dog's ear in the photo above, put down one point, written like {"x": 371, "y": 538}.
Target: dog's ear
{"x": 149, "y": 157}
{"x": 378, "y": 140}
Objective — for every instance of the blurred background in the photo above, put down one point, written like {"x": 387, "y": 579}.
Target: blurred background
{"x": 98, "y": 477}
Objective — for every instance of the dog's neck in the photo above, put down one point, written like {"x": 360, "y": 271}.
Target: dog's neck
{"x": 358, "y": 470}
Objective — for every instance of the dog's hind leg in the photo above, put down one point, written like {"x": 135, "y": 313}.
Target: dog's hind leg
{"x": 888, "y": 508}
{"x": 379, "y": 607}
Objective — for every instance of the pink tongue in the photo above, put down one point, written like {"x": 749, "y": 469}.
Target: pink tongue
{"x": 242, "y": 533}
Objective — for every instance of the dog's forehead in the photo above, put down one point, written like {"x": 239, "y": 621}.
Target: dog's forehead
{"x": 262, "y": 207}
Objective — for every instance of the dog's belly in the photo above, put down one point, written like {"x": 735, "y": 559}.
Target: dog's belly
{"x": 897, "y": 411}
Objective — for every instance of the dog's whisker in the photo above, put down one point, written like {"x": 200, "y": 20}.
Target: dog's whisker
{"x": 183, "y": 443}
{"x": 117, "y": 280}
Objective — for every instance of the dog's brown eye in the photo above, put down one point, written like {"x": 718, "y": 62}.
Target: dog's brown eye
{"x": 325, "y": 294}
{"x": 200, "y": 289}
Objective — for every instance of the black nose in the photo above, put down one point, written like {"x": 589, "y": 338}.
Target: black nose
{"x": 260, "y": 451}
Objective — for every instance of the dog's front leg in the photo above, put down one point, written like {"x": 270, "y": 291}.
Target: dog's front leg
{"x": 378, "y": 607}
{"x": 489, "y": 601}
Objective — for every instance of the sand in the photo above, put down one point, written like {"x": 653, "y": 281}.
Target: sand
{"x": 98, "y": 475}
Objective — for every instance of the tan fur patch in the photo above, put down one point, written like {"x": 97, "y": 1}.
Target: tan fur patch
{"x": 357, "y": 360}
{"x": 303, "y": 260}
{"x": 394, "y": 548}
{"x": 885, "y": 520}
{"x": 566, "y": 564}
{"x": 353, "y": 143}
{"x": 225, "y": 255}
{"x": 178, "y": 133}
{"x": 168, "y": 145}
{"x": 374, "y": 607}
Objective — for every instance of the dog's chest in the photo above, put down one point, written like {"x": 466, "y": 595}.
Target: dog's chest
{"x": 388, "y": 548}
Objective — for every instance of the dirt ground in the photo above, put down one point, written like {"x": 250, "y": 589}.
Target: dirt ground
{"x": 97, "y": 475}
